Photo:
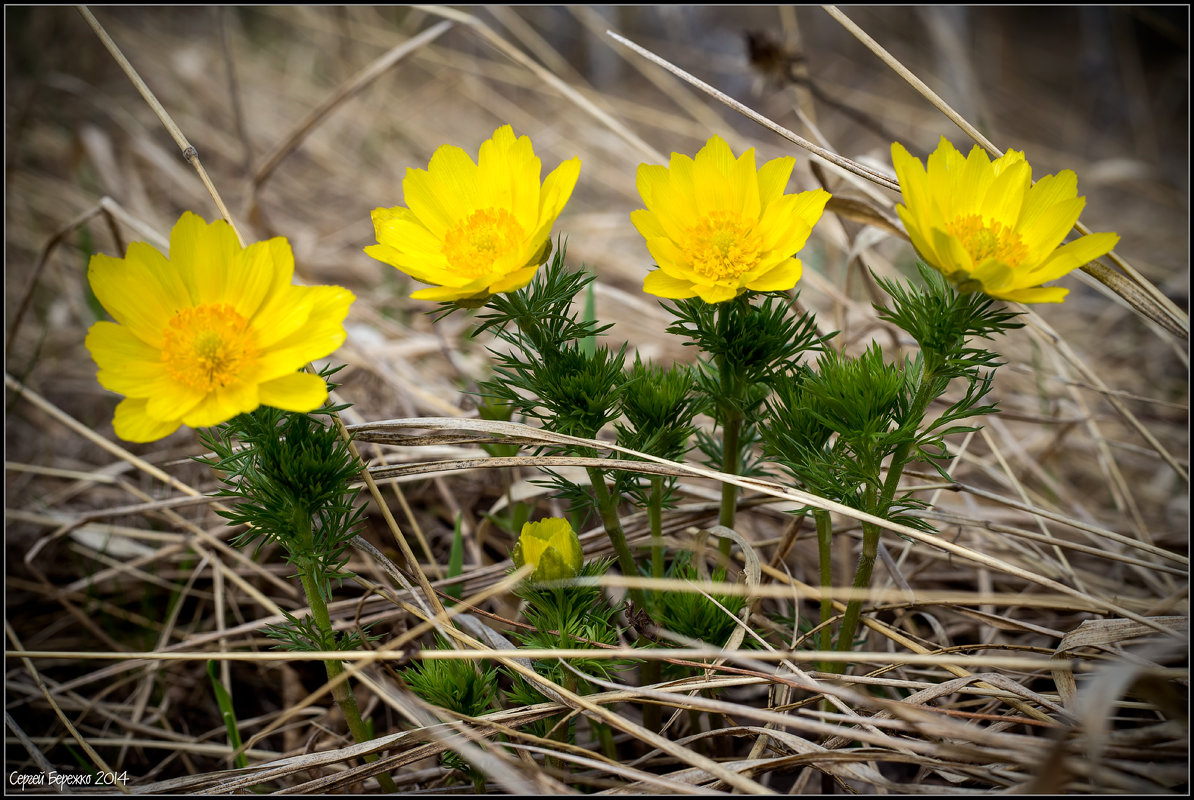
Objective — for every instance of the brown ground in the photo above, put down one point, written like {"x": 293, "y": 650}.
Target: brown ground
{"x": 1101, "y": 91}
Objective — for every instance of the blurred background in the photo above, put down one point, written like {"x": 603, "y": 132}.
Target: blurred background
{"x": 1099, "y": 90}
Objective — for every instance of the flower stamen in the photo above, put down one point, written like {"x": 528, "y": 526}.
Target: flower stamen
{"x": 208, "y": 346}
{"x": 477, "y": 241}
{"x": 722, "y": 246}
{"x": 988, "y": 241}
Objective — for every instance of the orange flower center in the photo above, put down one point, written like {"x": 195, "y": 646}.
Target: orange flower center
{"x": 208, "y": 346}
{"x": 984, "y": 241}
{"x": 722, "y": 246}
{"x": 475, "y": 242}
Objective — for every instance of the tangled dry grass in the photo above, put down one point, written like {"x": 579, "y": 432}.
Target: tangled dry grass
{"x": 1038, "y": 644}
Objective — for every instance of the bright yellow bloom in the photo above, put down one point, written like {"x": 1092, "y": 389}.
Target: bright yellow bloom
{"x": 212, "y": 331}
{"x": 717, "y": 227}
{"x": 551, "y": 547}
{"x": 988, "y": 228}
{"x": 473, "y": 230}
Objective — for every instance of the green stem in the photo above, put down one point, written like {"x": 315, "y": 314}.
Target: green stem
{"x": 605, "y": 737}
{"x": 652, "y": 670}
{"x": 613, "y": 529}
{"x": 655, "y": 519}
{"x": 862, "y": 579}
{"x": 341, "y": 693}
{"x": 652, "y": 673}
{"x": 920, "y": 403}
{"x": 560, "y": 732}
{"x": 730, "y": 410}
{"x": 730, "y": 464}
{"x": 825, "y": 553}
{"x": 880, "y": 506}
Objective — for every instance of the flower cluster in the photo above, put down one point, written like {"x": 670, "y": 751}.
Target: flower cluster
{"x": 216, "y": 329}
{"x": 216, "y": 334}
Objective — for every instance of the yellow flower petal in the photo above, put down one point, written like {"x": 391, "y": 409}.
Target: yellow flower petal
{"x": 1047, "y": 229}
{"x": 671, "y": 258}
{"x": 1004, "y": 197}
{"x": 1070, "y": 256}
{"x": 647, "y": 223}
{"x": 133, "y": 425}
{"x": 173, "y": 400}
{"x": 206, "y": 255}
{"x": 780, "y": 278}
{"x": 445, "y": 191}
{"x": 660, "y": 284}
{"x": 773, "y": 179}
{"x": 141, "y": 292}
{"x": 969, "y": 191}
{"x": 1042, "y": 294}
{"x": 297, "y": 391}
{"x": 993, "y": 275}
{"x": 1050, "y": 190}
{"x": 785, "y": 223}
{"x": 986, "y": 227}
{"x": 1007, "y": 160}
{"x": 716, "y": 293}
{"x": 120, "y": 354}
{"x": 648, "y": 180}
{"x": 321, "y": 331}
{"x": 557, "y": 189}
{"x": 475, "y": 289}
{"x": 919, "y": 234}
{"x": 508, "y": 174}
{"x": 718, "y": 185}
{"x": 515, "y": 280}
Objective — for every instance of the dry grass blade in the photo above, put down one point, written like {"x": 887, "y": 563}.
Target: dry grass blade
{"x": 582, "y": 102}
{"x": 830, "y": 157}
{"x": 189, "y": 153}
{"x": 1140, "y": 295}
{"x": 911, "y": 78}
{"x": 381, "y": 432}
{"x": 349, "y": 89}
{"x": 83, "y": 743}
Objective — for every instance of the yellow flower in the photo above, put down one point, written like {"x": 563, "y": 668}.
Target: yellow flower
{"x": 551, "y": 547}
{"x": 473, "y": 230}
{"x": 988, "y": 228}
{"x": 716, "y": 227}
{"x": 209, "y": 332}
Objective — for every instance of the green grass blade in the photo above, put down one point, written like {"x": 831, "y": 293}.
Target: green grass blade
{"x": 224, "y": 701}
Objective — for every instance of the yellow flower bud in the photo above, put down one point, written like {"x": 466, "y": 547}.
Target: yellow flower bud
{"x": 551, "y": 547}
